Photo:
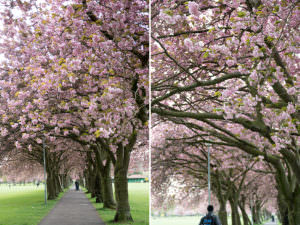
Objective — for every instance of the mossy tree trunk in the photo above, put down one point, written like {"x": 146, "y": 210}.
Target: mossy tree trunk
{"x": 242, "y": 205}
{"x": 91, "y": 174}
{"x": 222, "y": 196}
{"x": 294, "y": 207}
{"x": 121, "y": 187}
{"x": 120, "y": 160}
{"x": 289, "y": 194}
{"x": 104, "y": 168}
{"x": 97, "y": 188}
{"x": 234, "y": 211}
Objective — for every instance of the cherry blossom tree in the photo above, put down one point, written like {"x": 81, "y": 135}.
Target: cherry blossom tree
{"x": 237, "y": 179}
{"x": 228, "y": 70}
{"x": 78, "y": 70}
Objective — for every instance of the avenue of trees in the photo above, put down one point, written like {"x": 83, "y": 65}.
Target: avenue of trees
{"x": 74, "y": 78}
{"x": 226, "y": 77}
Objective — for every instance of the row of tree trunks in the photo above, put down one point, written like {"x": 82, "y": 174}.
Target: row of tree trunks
{"x": 90, "y": 174}
{"x": 242, "y": 206}
{"x": 66, "y": 180}
{"x": 54, "y": 183}
{"x": 100, "y": 159}
{"x": 288, "y": 195}
{"x": 235, "y": 216}
{"x": 223, "y": 213}
{"x": 106, "y": 185}
{"x": 98, "y": 177}
{"x": 222, "y": 198}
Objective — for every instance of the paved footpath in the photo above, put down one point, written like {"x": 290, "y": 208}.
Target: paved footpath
{"x": 73, "y": 209}
{"x": 270, "y": 223}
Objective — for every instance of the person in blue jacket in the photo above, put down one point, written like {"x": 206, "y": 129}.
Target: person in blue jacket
{"x": 210, "y": 218}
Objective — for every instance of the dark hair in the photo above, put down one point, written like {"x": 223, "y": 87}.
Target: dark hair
{"x": 210, "y": 208}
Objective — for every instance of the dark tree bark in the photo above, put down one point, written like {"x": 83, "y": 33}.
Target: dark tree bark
{"x": 234, "y": 211}
{"x": 222, "y": 198}
{"x": 246, "y": 220}
{"x": 104, "y": 169}
{"x": 294, "y": 207}
{"x": 97, "y": 188}
{"x": 51, "y": 190}
{"x": 121, "y": 185}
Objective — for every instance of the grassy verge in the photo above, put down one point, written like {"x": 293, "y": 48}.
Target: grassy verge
{"x": 176, "y": 220}
{"x": 186, "y": 220}
{"x": 24, "y": 207}
{"x": 139, "y": 203}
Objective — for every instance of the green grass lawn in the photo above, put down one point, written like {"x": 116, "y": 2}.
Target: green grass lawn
{"x": 176, "y": 220}
{"x": 139, "y": 203}
{"x": 23, "y": 205}
{"x": 179, "y": 220}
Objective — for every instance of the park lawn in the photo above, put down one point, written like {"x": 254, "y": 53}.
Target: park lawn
{"x": 24, "y": 207}
{"x": 176, "y": 220}
{"x": 139, "y": 204}
{"x": 179, "y": 220}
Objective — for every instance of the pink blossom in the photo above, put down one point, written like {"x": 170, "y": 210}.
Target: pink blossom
{"x": 290, "y": 108}
{"x": 230, "y": 62}
{"x": 57, "y": 130}
{"x": 15, "y": 125}
{"x": 18, "y": 145}
{"x": 25, "y": 136}
{"x": 76, "y": 131}
{"x": 188, "y": 44}
{"x": 253, "y": 76}
{"x": 194, "y": 9}
{"x": 4, "y": 132}
{"x": 257, "y": 52}
{"x": 291, "y": 91}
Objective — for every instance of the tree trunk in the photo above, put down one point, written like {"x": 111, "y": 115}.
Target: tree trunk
{"x": 57, "y": 183}
{"x": 121, "y": 191}
{"x": 104, "y": 172}
{"x": 223, "y": 213}
{"x": 283, "y": 208}
{"x": 255, "y": 214}
{"x": 91, "y": 175}
{"x": 121, "y": 185}
{"x": 65, "y": 181}
{"x": 246, "y": 220}
{"x": 51, "y": 190}
{"x": 107, "y": 190}
{"x": 294, "y": 207}
{"x": 51, "y": 182}
{"x": 222, "y": 198}
{"x": 235, "y": 212}
{"x": 257, "y": 211}
{"x": 97, "y": 189}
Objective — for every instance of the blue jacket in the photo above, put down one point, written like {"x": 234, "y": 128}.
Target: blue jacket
{"x": 210, "y": 219}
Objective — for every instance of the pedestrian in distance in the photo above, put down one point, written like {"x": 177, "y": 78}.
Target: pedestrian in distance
{"x": 210, "y": 218}
{"x": 77, "y": 185}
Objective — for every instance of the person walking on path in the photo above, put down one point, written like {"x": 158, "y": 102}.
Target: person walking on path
{"x": 77, "y": 185}
{"x": 210, "y": 218}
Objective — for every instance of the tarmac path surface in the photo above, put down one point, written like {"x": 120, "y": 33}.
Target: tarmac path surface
{"x": 73, "y": 209}
{"x": 271, "y": 223}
